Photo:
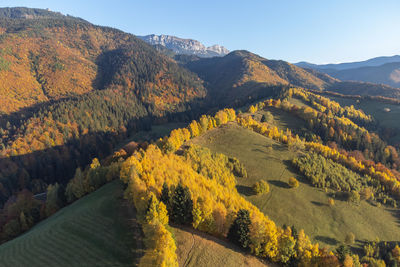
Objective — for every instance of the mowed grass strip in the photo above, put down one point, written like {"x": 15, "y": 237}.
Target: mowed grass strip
{"x": 94, "y": 231}
{"x": 195, "y": 249}
{"x": 305, "y": 207}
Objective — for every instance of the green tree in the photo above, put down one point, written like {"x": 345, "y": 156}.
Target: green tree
{"x": 165, "y": 196}
{"x": 182, "y": 205}
{"x": 342, "y": 251}
{"x": 263, "y": 118}
{"x": 76, "y": 187}
{"x": 55, "y": 198}
{"x": 239, "y": 232}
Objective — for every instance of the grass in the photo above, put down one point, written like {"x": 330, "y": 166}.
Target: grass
{"x": 93, "y": 231}
{"x": 283, "y": 119}
{"x": 376, "y": 110}
{"x": 199, "y": 249}
{"x": 304, "y": 207}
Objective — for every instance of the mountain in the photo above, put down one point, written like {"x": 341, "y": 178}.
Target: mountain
{"x": 31, "y": 13}
{"x": 46, "y": 56}
{"x": 388, "y": 74}
{"x": 71, "y": 91}
{"x": 373, "y": 62}
{"x": 185, "y": 46}
{"x": 242, "y": 74}
{"x": 380, "y": 70}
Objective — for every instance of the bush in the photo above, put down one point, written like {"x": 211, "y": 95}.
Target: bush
{"x": 261, "y": 187}
{"x": 350, "y": 239}
{"x": 354, "y": 197}
{"x": 367, "y": 193}
{"x": 293, "y": 183}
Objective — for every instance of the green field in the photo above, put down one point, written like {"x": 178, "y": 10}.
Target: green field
{"x": 304, "y": 207}
{"x": 96, "y": 230}
{"x": 199, "y": 249}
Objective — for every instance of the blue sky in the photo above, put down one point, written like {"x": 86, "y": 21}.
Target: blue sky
{"x": 315, "y": 31}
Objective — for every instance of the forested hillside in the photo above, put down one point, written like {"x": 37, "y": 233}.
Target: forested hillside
{"x": 44, "y": 59}
{"x": 71, "y": 91}
{"x": 241, "y": 74}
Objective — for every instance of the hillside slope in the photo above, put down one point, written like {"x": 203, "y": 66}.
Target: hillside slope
{"x": 195, "y": 248}
{"x": 388, "y": 74}
{"x": 269, "y": 160}
{"x": 380, "y": 70}
{"x": 376, "y": 61}
{"x": 241, "y": 74}
{"x": 70, "y": 91}
{"x": 51, "y": 56}
{"x": 96, "y": 230}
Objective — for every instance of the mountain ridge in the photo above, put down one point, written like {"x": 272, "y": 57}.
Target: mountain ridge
{"x": 379, "y": 70}
{"x": 372, "y": 62}
{"x": 185, "y": 46}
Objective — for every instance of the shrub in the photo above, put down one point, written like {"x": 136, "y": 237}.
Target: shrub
{"x": 350, "y": 239}
{"x": 354, "y": 197}
{"x": 367, "y": 193}
{"x": 293, "y": 183}
{"x": 261, "y": 187}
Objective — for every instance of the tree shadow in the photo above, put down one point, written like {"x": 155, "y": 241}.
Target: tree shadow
{"x": 319, "y": 204}
{"x": 291, "y": 168}
{"x": 245, "y": 190}
{"x": 328, "y": 240}
{"x": 278, "y": 183}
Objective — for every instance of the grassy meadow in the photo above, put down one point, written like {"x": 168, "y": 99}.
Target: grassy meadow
{"x": 195, "y": 248}
{"x": 304, "y": 207}
{"x": 94, "y": 231}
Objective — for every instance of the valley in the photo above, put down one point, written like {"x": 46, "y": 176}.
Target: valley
{"x": 153, "y": 150}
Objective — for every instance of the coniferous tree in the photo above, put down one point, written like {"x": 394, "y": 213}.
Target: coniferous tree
{"x": 165, "y": 196}
{"x": 182, "y": 205}
{"x": 239, "y": 232}
{"x": 342, "y": 251}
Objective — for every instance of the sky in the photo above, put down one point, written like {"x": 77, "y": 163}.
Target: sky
{"x": 316, "y": 31}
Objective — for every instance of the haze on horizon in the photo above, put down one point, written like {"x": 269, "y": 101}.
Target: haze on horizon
{"x": 314, "y": 31}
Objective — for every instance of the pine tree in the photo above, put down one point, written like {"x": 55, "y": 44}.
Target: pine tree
{"x": 182, "y": 205}
{"x": 263, "y": 118}
{"x": 239, "y": 232}
{"x": 165, "y": 197}
{"x": 342, "y": 251}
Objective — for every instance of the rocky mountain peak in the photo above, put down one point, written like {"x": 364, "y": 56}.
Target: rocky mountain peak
{"x": 185, "y": 46}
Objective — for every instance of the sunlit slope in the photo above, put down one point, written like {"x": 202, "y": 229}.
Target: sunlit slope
{"x": 304, "y": 207}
